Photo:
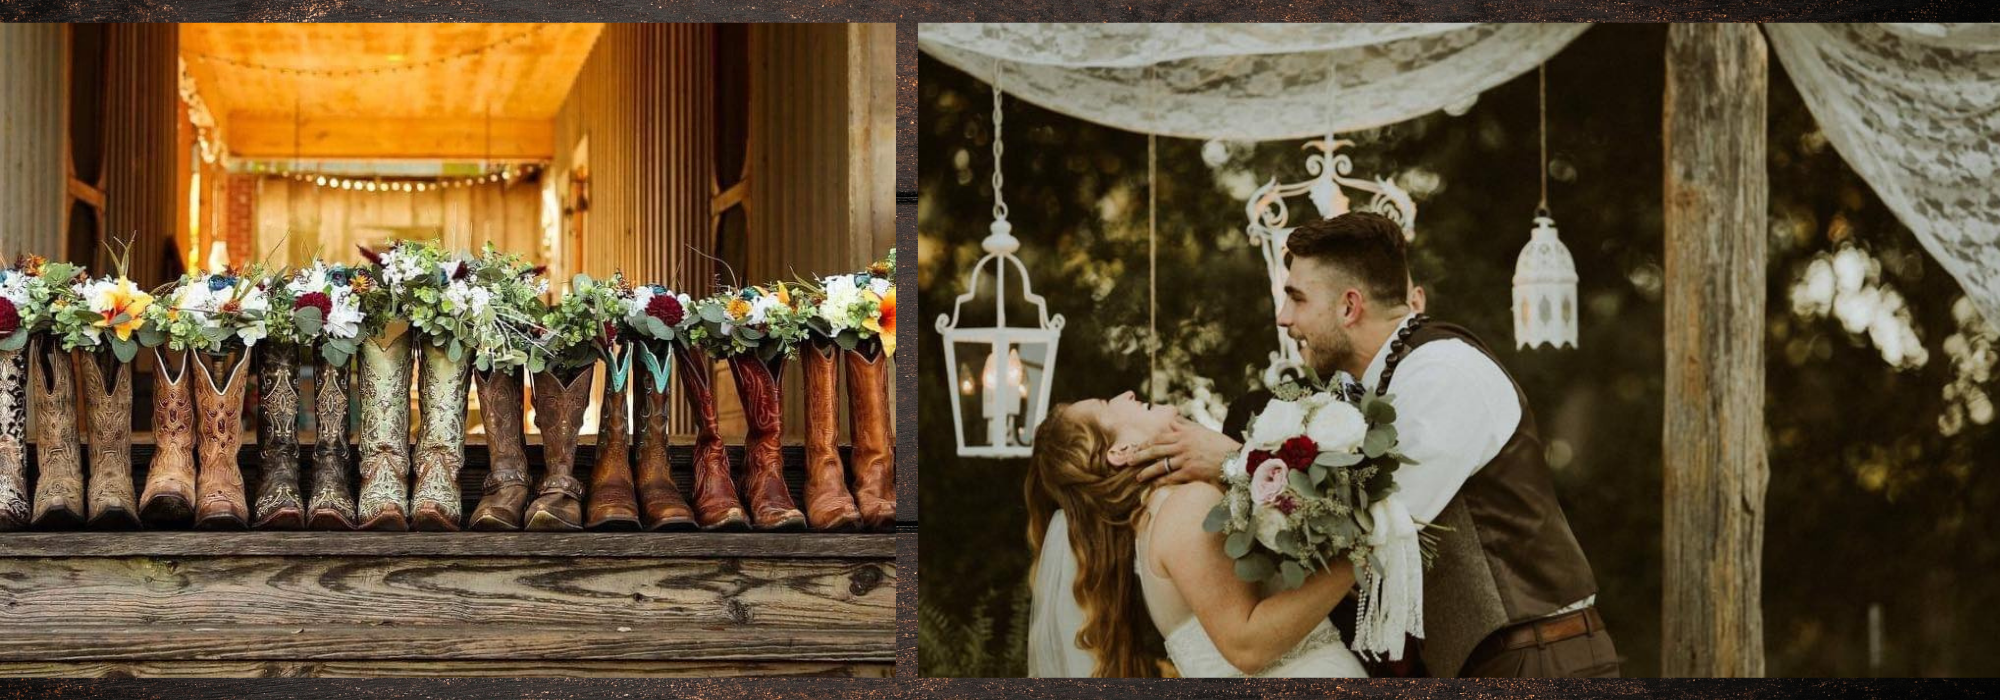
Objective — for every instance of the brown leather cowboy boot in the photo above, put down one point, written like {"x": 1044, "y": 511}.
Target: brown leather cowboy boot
{"x": 168, "y": 500}
{"x": 109, "y": 403}
{"x": 828, "y": 504}
{"x": 385, "y": 431}
{"x": 715, "y": 498}
{"x": 15, "y": 507}
{"x": 659, "y": 498}
{"x": 59, "y": 487}
{"x": 331, "y": 506}
{"x": 220, "y": 482}
{"x": 506, "y": 486}
{"x": 614, "y": 505}
{"x": 434, "y": 498}
{"x": 278, "y": 505}
{"x": 869, "y": 421}
{"x": 559, "y": 409}
{"x": 771, "y": 506}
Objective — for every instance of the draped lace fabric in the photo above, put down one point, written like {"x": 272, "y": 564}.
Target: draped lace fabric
{"x": 1915, "y": 109}
{"x": 1252, "y": 82}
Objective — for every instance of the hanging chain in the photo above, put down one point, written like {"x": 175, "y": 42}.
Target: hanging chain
{"x": 1542, "y": 80}
{"x": 999, "y": 204}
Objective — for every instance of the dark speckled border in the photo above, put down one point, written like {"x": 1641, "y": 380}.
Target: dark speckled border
{"x": 907, "y": 13}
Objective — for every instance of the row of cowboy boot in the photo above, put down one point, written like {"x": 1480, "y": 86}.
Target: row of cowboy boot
{"x": 107, "y": 395}
{"x": 278, "y": 505}
{"x": 58, "y": 499}
{"x": 15, "y": 509}
{"x": 506, "y": 486}
{"x": 762, "y": 394}
{"x": 331, "y": 507}
{"x": 219, "y": 481}
{"x": 168, "y": 499}
{"x": 660, "y": 500}
{"x": 440, "y": 452}
{"x": 614, "y": 501}
{"x": 385, "y": 431}
{"x": 869, "y": 422}
{"x": 560, "y": 404}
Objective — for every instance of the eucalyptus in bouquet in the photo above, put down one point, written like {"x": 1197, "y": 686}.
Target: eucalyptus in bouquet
{"x": 488, "y": 307}
{"x": 325, "y": 310}
{"x": 581, "y": 327}
{"x": 101, "y": 313}
{"x": 32, "y": 292}
{"x": 756, "y": 320}
{"x": 1314, "y": 484}
{"x": 209, "y": 312}
{"x": 854, "y": 308}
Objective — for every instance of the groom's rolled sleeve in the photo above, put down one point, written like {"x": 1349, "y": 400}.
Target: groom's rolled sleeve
{"x": 1455, "y": 409}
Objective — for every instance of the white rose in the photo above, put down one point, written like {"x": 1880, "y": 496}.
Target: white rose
{"x": 1269, "y": 521}
{"x": 1280, "y": 421}
{"x": 880, "y": 286}
{"x": 1337, "y": 427}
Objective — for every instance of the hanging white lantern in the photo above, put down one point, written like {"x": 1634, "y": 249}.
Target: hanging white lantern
{"x": 997, "y": 409}
{"x": 1545, "y": 290}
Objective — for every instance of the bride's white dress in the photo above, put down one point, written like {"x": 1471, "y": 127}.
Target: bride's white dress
{"x": 1320, "y": 655}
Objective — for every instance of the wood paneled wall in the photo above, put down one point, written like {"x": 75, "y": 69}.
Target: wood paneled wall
{"x": 141, "y": 133}
{"x": 31, "y": 139}
{"x": 330, "y": 221}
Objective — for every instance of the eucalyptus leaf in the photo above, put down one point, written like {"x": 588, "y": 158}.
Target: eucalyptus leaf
{"x": 1380, "y": 439}
{"x": 1238, "y": 544}
{"x": 1255, "y": 567}
{"x": 1217, "y": 517}
{"x": 711, "y": 314}
{"x": 123, "y": 349}
{"x": 1366, "y": 521}
{"x": 1300, "y": 482}
{"x": 1337, "y": 459}
{"x": 15, "y": 342}
{"x": 1379, "y": 412}
{"x": 456, "y": 351}
{"x": 1295, "y": 575}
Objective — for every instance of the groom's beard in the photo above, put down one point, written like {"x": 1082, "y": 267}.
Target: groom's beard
{"x": 1329, "y": 353}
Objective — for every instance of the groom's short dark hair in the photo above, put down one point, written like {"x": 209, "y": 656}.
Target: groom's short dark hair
{"x": 1366, "y": 245}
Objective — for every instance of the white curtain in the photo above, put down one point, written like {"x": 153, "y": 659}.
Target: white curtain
{"x": 1915, "y": 109}
{"x": 1251, "y": 82}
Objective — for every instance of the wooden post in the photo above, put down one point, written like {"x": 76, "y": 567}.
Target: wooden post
{"x": 1715, "y": 463}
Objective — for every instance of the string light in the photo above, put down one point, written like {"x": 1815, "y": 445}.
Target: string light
{"x": 506, "y": 173}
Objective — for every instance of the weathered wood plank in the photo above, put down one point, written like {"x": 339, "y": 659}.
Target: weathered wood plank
{"x": 751, "y": 596}
{"x": 748, "y": 545}
{"x": 1717, "y": 191}
{"x": 442, "y": 642}
{"x": 414, "y": 669}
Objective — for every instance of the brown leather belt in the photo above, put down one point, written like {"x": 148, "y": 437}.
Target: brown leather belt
{"x": 1545, "y": 631}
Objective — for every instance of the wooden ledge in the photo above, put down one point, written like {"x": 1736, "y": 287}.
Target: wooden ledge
{"x": 744, "y": 545}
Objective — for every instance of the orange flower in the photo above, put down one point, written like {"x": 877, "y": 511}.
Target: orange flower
{"x": 884, "y": 324}
{"x": 738, "y": 308}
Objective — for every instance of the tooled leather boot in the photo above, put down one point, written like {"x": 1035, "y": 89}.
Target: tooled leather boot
{"x": 659, "y": 499}
{"x": 614, "y": 504}
{"x": 559, "y": 409}
{"x": 385, "y": 431}
{"x": 278, "y": 505}
{"x": 869, "y": 421}
{"x": 107, "y": 396}
{"x": 441, "y": 393}
{"x": 331, "y": 506}
{"x": 168, "y": 500}
{"x": 506, "y": 486}
{"x": 15, "y": 508}
{"x": 828, "y": 504}
{"x": 219, "y": 484}
{"x": 59, "y": 485}
{"x": 717, "y": 505}
{"x": 757, "y": 386}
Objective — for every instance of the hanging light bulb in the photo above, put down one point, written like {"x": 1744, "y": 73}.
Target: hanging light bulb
{"x": 1545, "y": 275}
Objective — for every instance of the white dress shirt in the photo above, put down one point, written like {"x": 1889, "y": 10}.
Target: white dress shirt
{"x": 1455, "y": 410}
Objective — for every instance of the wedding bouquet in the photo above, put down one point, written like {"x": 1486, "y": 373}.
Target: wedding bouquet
{"x": 853, "y": 308}
{"x": 489, "y": 306}
{"x": 1313, "y": 484}
{"x": 106, "y": 311}
{"x": 32, "y": 292}
{"x": 749, "y": 320}
{"x": 209, "y": 312}
{"x": 325, "y": 310}
{"x": 581, "y": 327}
{"x": 656, "y": 313}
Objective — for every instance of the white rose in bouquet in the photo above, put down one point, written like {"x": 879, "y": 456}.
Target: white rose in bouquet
{"x": 1280, "y": 421}
{"x": 1269, "y": 522}
{"x": 1337, "y": 427}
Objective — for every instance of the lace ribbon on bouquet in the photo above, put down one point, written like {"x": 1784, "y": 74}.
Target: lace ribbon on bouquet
{"x": 1392, "y": 595}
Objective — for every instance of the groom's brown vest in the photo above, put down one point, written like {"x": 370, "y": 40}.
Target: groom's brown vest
{"x": 1509, "y": 556}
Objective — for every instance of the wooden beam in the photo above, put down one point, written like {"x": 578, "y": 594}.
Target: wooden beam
{"x": 566, "y": 668}
{"x": 750, "y": 545}
{"x": 273, "y": 136}
{"x": 487, "y": 640}
{"x": 1715, "y": 464}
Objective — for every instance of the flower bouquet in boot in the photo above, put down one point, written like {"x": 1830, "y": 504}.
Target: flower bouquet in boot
{"x": 386, "y": 288}
{"x": 506, "y": 344}
{"x": 580, "y": 330}
{"x": 29, "y": 294}
{"x": 466, "y": 311}
{"x": 216, "y": 319}
{"x": 324, "y": 323}
{"x": 851, "y": 321}
{"x": 613, "y": 497}
{"x": 756, "y": 329}
{"x": 657, "y": 321}
{"x": 100, "y": 333}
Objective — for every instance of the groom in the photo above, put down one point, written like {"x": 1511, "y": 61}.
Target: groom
{"x": 1510, "y": 593}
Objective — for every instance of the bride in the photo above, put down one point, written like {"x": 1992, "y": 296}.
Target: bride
{"x": 1144, "y": 567}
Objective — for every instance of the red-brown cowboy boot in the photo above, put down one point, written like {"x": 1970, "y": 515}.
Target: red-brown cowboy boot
{"x": 168, "y": 500}
{"x": 59, "y": 485}
{"x": 559, "y": 407}
{"x": 828, "y": 504}
{"x": 506, "y": 487}
{"x": 107, "y": 396}
{"x": 279, "y": 505}
{"x": 659, "y": 498}
{"x": 220, "y": 436}
{"x": 614, "y": 500}
{"x": 869, "y": 421}
{"x": 332, "y": 505}
{"x": 770, "y": 500}
{"x": 716, "y": 504}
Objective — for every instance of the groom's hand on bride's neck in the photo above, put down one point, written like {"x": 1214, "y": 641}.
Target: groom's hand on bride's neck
{"x": 1186, "y": 451}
